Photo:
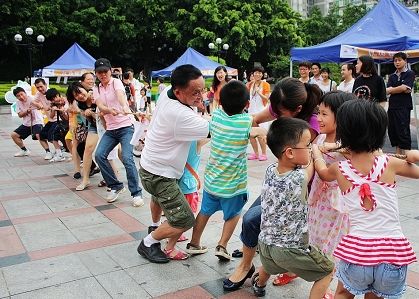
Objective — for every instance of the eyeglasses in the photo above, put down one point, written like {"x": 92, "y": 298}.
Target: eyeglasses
{"x": 309, "y": 147}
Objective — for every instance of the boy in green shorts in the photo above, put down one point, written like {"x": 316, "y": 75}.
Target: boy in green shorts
{"x": 225, "y": 177}
{"x": 283, "y": 240}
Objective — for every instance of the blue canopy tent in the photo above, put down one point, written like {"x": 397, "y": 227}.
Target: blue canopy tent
{"x": 191, "y": 56}
{"x": 388, "y": 26}
{"x": 73, "y": 63}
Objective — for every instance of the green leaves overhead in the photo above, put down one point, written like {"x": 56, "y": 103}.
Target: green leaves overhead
{"x": 130, "y": 32}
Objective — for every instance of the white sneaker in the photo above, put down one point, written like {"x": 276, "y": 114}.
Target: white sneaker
{"x": 22, "y": 153}
{"x": 57, "y": 158}
{"x": 48, "y": 156}
{"x": 137, "y": 201}
{"x": 113, "y": 195}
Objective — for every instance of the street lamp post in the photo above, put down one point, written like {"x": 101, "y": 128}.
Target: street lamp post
{"x": 218, "y": 42}
{"x": 29, "y": 45}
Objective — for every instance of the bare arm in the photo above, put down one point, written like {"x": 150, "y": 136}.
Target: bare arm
{"x": 399, "y": 89}
{"x": 262, "y": 117}
{"x": 407, "y": 168}
{"x": 327, "y": 174}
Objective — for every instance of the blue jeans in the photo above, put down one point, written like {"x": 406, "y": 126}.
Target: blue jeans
{"x": 251, "y": 225}
{"x": 110, "y": 139}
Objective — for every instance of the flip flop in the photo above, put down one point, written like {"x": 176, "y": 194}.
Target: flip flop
{"x": 179, "y": 256}
{"x": 182, "y": 238}
{"x": 283, "y": 279}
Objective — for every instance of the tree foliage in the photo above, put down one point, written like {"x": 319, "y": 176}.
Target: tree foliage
{"x": 139, "y": 33}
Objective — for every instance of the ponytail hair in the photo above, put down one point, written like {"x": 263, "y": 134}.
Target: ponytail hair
{"x": 314, "y": 94}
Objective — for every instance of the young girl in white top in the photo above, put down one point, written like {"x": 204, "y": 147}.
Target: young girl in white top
{"x": 375, "y": 254}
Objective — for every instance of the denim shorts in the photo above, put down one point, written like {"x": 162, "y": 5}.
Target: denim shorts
{"x": 231, "y": 206}
{"x": 384, "y": 280}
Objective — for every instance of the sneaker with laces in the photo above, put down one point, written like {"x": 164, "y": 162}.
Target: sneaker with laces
{"x": 137, "y": 201}
{"x": 113, "y": 195}
{"x": 22, "y": 153}
{"x": 48, "y": 156}
{"x": 57, "y": 158}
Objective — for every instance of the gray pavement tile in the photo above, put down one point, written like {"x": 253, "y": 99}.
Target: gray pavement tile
{"x": 48, "y": 185}
{"x": 96, "y": 231}
{"x": 82, "y": 288}
{"x": 84, "y": 220}
{"x": 4, "y": 292}
{"x": 120, "y": 285}
{"x": 43, "y": 273}
{"x": 17, "y": 173}
{"x": 40, "y": 226}
{"x": 11, "y": 189}
{"x": 47, "y": 239}
{"x": 125, "y": 255}
{"x": 43, "y": 170}
{"x": 5, "y": 223}
{"x": 64, "y": 202}
{"x": 405, "y": 191}
{"x": 14, "y": 260}
{"x": 176, "y": 275}
{"x": 214, "y": 287}
{"x": 6, "y": 175}
{"x": 409, "y": 208}
{"x": 60, "y": 175}
{"x": 25, "y": 207}
{"x": 44, "y": 234}
{"x": 105, "y": 207}
{"x": 97, "y": 261}
{"x": 139, "y": 235}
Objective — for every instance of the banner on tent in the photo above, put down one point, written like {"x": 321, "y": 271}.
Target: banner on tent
{"x": 347, "y": 51}
{"x": 64, "y": 73}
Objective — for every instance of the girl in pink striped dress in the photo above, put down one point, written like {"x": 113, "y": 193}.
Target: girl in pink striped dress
{"x": 375, "y": 254}
{"x": 326, "y": 224}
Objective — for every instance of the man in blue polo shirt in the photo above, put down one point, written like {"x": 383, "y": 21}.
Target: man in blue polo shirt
{"x": 399, "y": 87}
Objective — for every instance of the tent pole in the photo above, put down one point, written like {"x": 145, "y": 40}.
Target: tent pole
{"x": 290, "y": 68}
{"x": 414, "y": 100}
{"x": 379, "y": 69}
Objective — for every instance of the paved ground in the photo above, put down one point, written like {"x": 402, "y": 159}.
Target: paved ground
{"x": 56, "y": 242}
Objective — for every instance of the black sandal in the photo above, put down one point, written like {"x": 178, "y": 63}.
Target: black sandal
{"x": 237, "y": 253}
{"x": 257, "y": 290}
{"x": 102, "y": 183}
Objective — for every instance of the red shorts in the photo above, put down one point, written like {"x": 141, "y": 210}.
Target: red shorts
{"x": 193, "y": 200}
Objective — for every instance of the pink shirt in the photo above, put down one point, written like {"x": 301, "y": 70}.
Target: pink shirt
{"x": 42, "y": 99}
{"x": 36, "y": 115}
{"x": 107, "y": 94}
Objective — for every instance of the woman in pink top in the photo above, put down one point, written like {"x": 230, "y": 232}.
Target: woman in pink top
{"x": 112, "y": 102}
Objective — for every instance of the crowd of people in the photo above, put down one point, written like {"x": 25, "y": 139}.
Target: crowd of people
{"x": 327, "y": 207}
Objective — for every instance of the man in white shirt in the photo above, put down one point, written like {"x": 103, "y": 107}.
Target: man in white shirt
{"x": 347, "y": 71}
{"x": 173, "y": 127}
{"x": 32, "y": 122}
{"x": 315, "y": 70}
{"x": 136, "y": 83}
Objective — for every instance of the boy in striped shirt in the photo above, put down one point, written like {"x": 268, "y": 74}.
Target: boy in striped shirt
{"x": 225, "y": 179}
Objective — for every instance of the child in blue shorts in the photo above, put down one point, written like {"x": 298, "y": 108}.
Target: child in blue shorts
{"x": 225, "y": 178}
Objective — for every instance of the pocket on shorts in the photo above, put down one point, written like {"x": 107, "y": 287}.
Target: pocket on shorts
{"x": 393, "y": 277}
{"x": 321, "y": 259}
{"x": 356, "y": 274}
